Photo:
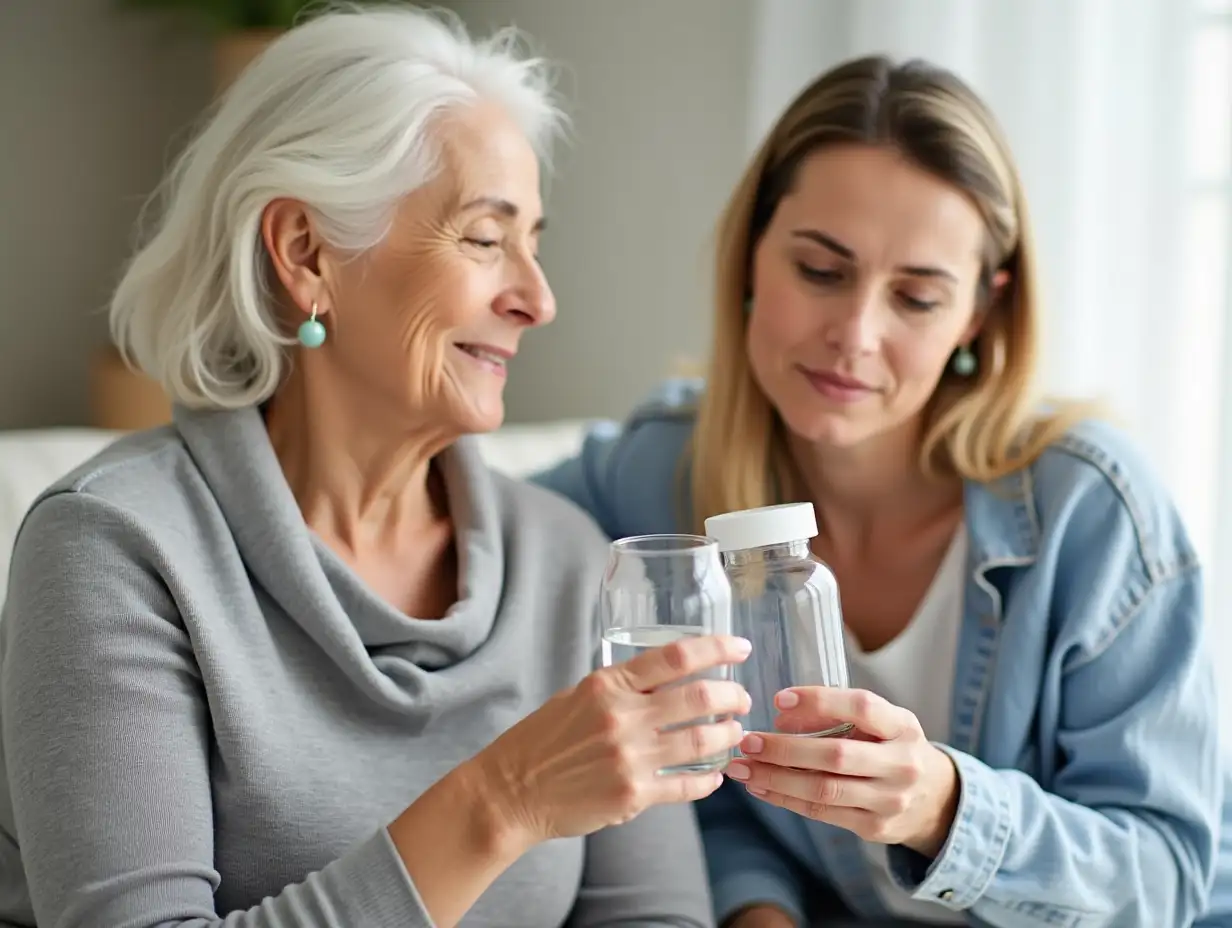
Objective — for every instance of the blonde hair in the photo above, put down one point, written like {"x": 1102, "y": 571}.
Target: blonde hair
{"x": 981, "y": 428}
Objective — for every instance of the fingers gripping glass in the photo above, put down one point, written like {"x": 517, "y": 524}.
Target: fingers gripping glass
{"x": 658, "y": 589}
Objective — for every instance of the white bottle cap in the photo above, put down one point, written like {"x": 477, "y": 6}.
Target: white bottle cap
{"x": 767, "y": 525}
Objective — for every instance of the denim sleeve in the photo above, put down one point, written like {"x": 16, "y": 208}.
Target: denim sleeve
{"x": 1128, "y": 834}
{"x": 586, "y": 478}
{"x": 630, "y": 476}
{"x": 747, "y": 865}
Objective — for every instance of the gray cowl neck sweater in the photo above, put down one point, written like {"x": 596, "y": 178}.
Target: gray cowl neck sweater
{"x": 208, "y": 719}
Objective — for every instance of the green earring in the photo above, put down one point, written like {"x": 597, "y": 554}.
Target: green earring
{"x": 311, "y": 333}
{"x": 964, "y": 362}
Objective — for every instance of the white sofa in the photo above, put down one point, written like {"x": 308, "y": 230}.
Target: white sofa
{"x": 31, "y": 460}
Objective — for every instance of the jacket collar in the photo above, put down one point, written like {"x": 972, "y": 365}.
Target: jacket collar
{"x": 1002, "y": 521}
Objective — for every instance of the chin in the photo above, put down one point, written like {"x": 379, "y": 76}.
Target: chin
{"x": 479, "y": 418}
{"x": 827, "y": 427}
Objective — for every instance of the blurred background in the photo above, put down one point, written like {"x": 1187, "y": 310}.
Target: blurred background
{"x": 1120, "y": 112}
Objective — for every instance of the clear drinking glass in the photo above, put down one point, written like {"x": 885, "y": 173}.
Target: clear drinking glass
{"x": 658, "y": 589}
{"x": 786, "y": 602}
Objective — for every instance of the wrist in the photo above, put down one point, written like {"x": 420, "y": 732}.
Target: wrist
{"x": 454, "y": 842}
{"x": 463, "y": 804}
{"x": 497, "y": 820}
{"x": 946, "y": 791}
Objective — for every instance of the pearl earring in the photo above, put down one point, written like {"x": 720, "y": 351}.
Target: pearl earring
{"x": 964, "y": 361}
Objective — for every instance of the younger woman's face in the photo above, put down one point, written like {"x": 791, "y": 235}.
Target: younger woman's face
{"x": 863, "y": 285}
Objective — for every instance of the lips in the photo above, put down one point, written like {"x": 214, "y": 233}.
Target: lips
{"x": 484, "y": 353}
{"x": 837, "y": 387}
{"x": 846, "y": 383}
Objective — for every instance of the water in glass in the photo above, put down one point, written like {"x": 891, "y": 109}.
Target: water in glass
{"x": 658, "y": 589}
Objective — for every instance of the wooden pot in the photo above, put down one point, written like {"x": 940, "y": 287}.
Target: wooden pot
{"x": 122, "y": 398}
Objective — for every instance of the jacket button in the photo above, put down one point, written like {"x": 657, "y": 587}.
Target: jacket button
{"x": 946, "y": 895}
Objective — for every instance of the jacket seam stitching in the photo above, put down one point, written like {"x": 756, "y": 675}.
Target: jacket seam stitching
{"x": 1082, "y": 450}
{"x": 1122, "y": 622}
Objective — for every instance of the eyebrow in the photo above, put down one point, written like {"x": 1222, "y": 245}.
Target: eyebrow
{"x": 845, "y": 252}
{"x": 506, "y": 208}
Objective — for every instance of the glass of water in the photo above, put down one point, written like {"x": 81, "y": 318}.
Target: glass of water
{"x": 658, "y": 589}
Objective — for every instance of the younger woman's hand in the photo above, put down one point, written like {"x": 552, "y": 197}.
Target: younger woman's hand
{"x": 590, "y": 757}
{"x": 885, "y": 781}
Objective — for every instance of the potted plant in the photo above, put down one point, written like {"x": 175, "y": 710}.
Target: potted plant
{"x": 242, "y": 27}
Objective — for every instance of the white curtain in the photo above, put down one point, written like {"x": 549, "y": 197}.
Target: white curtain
{"x": 1120, "y": 115}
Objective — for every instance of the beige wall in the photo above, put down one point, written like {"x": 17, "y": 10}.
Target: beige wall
{"x": 89, "y": 100}
{"x": 92, "y": 99}
{"x": 659, "y": 96}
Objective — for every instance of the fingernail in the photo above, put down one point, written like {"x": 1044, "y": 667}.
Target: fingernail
{"x": 744, "y": 646}
{"x": 787, "y": 700}
{"x": 737, "y": 771}
{"x": 755, "y": 791}
{"x": 752, "y": 744}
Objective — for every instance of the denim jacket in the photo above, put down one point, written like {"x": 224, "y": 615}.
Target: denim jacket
{"x": 1084, "y": 721}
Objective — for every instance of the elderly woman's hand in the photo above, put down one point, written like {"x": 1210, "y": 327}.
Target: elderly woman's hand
{"x": 885, "y": 781}
{"x": 589, "y": 758}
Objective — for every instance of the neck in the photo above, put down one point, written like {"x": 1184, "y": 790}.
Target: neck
{"x": 874, "y": 490}
{"x": 357, "y": 469}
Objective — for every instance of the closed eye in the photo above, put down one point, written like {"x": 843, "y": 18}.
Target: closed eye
{"x": 817, "y": 274}
{"x": 916, "y": 304}
{"x": 482, "y": 242}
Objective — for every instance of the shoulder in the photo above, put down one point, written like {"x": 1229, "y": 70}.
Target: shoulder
{"x": 124, "y": 468}
{"x": 1096, "y": 477}
{"x": 630, "y": 475}
{"x": 136, "y": 487}
{"x": 655, "y": 438}
{"x": 93, "y": 549}
{"x": 1094, "y": 541}
{"x": 660, "y": 426}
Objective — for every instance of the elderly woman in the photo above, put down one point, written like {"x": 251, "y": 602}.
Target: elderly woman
{"x": 1035, "y": 710}
{"x": 300, "y": 659}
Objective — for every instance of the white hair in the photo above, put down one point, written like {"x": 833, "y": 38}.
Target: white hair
{"x": 337, "y": 113}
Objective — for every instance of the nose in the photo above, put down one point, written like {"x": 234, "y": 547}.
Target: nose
{"x": 529, "y": 300}
{"x": 853, "y": 321}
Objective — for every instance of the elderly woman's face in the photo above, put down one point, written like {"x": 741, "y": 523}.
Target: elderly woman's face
{"x": 427, "y": 320}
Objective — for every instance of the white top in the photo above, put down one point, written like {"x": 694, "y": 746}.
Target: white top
{"x": 765, "y": 525}
{"x": 916, "y": 671}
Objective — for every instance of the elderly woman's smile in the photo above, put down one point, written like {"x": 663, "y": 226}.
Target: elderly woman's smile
{"x": 429, "y": 318}
{"x": 490, "y": 359}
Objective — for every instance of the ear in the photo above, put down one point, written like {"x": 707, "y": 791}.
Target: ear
{"x": 1000, "y": 280}
{"x": 294, "y": 248}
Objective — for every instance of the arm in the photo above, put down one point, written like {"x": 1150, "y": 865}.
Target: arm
{"x": 647, "y": 872}
{"x": 586, "y": 478}
{"x": 106, "y": 756}
{"x": 1127, "y": 835}
{"x": 747, "y": 866}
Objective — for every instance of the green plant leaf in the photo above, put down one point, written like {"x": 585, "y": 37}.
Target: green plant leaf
{"x": 230, "y": 15}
